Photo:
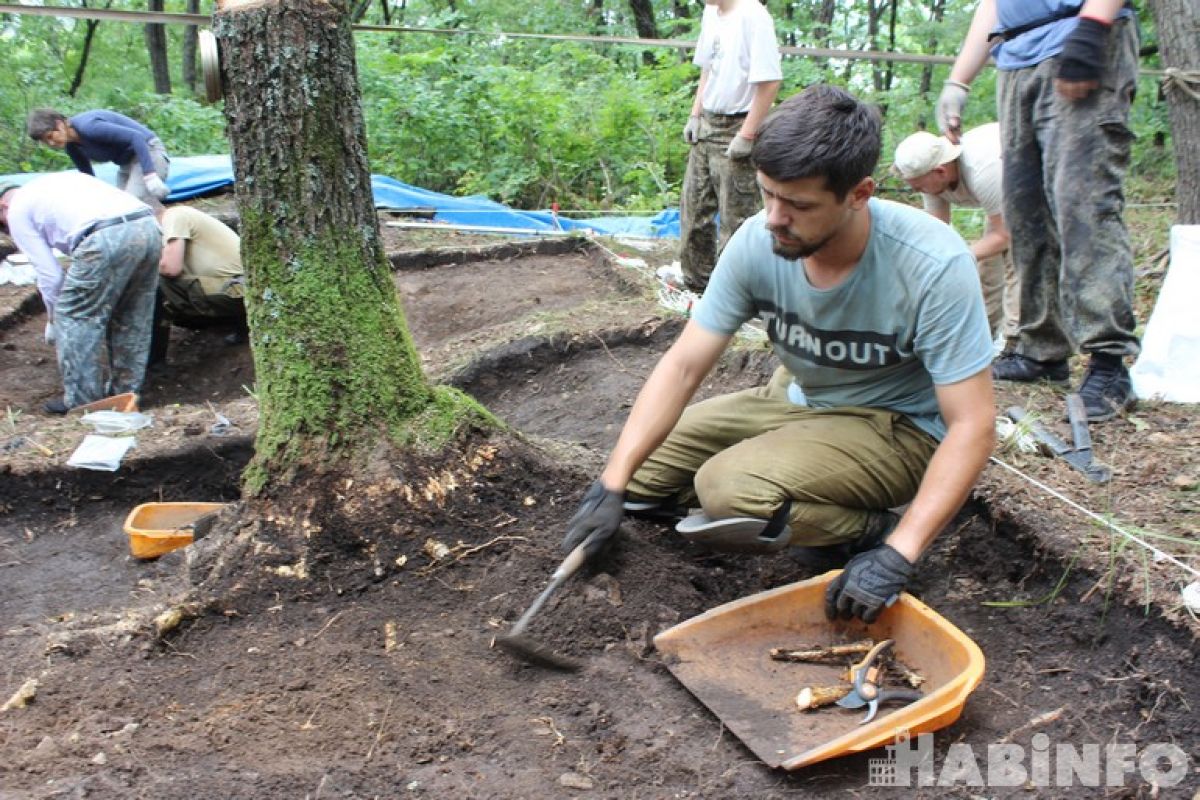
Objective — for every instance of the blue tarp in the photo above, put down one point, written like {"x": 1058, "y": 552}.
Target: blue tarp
{"x": 192, "y": 176}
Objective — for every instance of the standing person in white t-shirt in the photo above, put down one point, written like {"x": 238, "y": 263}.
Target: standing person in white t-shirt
{"x": 740, "y": 75}
{"x": 969, "y": 174}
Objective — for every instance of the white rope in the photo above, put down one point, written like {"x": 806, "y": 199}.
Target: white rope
{"x": 1159, "y": 555}
{"x": 1185, "y": 80}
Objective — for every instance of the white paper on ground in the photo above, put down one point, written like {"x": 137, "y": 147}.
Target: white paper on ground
{"x": 101, "y": 452}
{"x": 18, "y": 274}
{"x": 1169, "y": 366}
{"x": 117, "y": 421}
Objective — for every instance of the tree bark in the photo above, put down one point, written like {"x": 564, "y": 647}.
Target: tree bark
{"x": 188, "y": 54}
{"x": 85, "y": 52}
{"x": 335, "y": 363}
{"x": 937, "y": 11}
{"x": 647, "y": 28}
{"x": 1178, "y": 23}
{"x": 156, "y": 45}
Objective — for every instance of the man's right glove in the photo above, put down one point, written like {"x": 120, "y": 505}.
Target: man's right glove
{"x": 1082, "y": 56}
{"x": 950, "y": 105}
{"x": 599, "y": 515}
{"x": 155, "y": 185}
{"x": 49, "y": 335}
{"x": 691, "y": 131}
{"x": 867, "y": 583}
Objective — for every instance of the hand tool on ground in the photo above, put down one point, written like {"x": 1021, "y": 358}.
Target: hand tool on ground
{"x": 1078, "y": 455}
{"x": 520, "y": 645}
{"x": 867, "y": 677}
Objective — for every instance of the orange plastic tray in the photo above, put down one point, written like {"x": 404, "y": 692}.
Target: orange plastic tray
{"x": 157, "y": 528}
{"x": 723, "y": 658}
{"x": 118, "y": 402}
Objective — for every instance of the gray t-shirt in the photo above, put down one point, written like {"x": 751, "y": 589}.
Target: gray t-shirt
{"x": 908, "y": 317}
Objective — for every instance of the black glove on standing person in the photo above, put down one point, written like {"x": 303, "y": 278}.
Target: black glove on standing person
{"x": 1082, "y": 56}
{"x": 599, "y": 515}
{"x": 867, "y": 583}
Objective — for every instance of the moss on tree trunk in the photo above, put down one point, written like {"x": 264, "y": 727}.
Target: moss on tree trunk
{"x": 334, "y": 359}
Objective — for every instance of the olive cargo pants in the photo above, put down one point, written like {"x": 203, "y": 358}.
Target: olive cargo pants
{"x": 746, "y": 453}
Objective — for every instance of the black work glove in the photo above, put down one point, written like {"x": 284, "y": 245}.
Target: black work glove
{"x": 1082, "y": 56}
{"x": 599, "y": 515}
{"x": 867, "y": 583}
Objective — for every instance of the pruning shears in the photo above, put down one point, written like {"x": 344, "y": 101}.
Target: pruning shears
{"x": 867, "y": 678}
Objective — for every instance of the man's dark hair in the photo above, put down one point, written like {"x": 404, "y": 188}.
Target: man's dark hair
{"x": 42, "y": 121}
{"x": 822, "y": 131}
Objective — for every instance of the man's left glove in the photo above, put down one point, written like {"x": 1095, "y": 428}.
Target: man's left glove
{"x": 599, "y": 515}
{"x": 739, "y": 148}
{"x": 1082, "y": 56}
{"x": 49, "y": 335}
{"x": 867, "y": 583}
{"x": 155, "y": 185}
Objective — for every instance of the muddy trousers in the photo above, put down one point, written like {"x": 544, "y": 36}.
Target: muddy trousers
{"x": 713, "y": 183}
{"x": 744, "y": 454}
{"x": 1064, "y": 163}
{"x": 105, "y": 311}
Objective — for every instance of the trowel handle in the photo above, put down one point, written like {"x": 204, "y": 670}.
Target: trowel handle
{"x": 571, "y": 563}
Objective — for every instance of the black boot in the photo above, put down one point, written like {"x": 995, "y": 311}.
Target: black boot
{"x": 1106, "y": 390}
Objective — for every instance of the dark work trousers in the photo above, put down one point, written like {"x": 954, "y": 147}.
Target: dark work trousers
{"x": 1064, "y": 163}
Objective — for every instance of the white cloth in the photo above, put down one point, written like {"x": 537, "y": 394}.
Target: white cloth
{"x": 51, "y": 210}
{"x": 738, "y": 48}
{"x": 980, "y": 174}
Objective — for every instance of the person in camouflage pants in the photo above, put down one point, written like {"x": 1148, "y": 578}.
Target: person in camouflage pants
{"x": 740, "y": 74}
{"x": 1067, "y": 77}
{"x": 713, "y": 182}
{"x": 106, "y": 309}
{"x": 100, "y": 309}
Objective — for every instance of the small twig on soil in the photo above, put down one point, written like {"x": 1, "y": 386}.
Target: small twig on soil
{"x": 379, "y": 730}
{"x": 460, "y": 552}
{"x": 307, "y": 725}
{"x": 12, "y": 564}
{"x": 1053, "y": 670}
{"x": 559, "y": 739}
{"x": 607, "y": 352}
{"x": 46, "y": 451}
{"x": 325, "y": 627}
{"x": 1005, "y": 698}
{"x": 1036, "y": 722}
{"x": 720, "y": 735}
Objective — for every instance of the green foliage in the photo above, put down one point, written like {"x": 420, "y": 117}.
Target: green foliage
{"x": 529, "y": 122}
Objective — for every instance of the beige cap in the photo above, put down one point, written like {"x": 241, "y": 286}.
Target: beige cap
{"x": 923, "y": 152}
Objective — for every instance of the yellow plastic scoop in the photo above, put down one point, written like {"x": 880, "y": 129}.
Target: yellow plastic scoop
{"x": 723, "y": 658}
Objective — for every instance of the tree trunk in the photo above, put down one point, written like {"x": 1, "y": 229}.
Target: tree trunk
{"x": 156, "y": 45}
{"x": 1178, "y": 23}
{"x": 188, "y": 73}
{"x": 874, "y": 12}
{"x": 937, "y": 10}
{"x": 647, "y": 28}
{"x": 89, "y": 33}
{"x": 335, "y": 363}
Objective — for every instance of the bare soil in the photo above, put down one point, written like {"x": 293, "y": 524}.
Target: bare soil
{"x": 377, "y": 676}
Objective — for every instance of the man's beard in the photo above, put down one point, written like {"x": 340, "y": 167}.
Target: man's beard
{"x": 801, "y": 249}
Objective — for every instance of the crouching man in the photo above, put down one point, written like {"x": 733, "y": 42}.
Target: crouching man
{"x": 101, "y": 308}
{"x": 201, "y": 279}
{"x": 884, "y": 396}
